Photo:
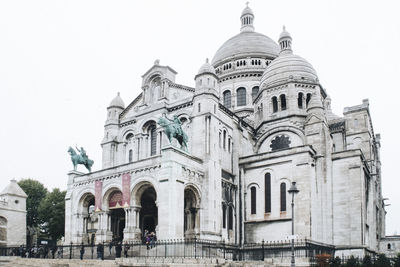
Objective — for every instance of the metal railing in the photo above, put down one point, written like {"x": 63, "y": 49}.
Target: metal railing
{"x": 183, "y": 248}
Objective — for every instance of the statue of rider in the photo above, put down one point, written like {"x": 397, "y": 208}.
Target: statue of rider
{"x": 83, "y": 154}
{"x": 177, "y": 123}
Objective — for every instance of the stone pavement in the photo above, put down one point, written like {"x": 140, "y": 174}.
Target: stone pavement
{"x": 139, "y": 262}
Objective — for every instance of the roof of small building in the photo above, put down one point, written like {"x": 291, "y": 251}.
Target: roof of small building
{"x": 13, "y": 189}
{"x": 117, "y": 102}
{"x": 206, "y": 68}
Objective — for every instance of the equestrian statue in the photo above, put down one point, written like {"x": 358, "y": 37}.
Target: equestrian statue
{"x": 81, "y": 158}
{"x": 173, "y": 128}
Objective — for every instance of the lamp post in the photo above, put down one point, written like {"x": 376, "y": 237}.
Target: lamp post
{"x": 293, "y": 190}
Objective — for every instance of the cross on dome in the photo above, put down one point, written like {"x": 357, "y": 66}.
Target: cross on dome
{"x": 247, "y": 19}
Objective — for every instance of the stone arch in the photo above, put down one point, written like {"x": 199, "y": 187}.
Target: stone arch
{"x": 192, "y": 198}
{"x": 144, "y": 198}
{"x": 290, "y": 129}
{"x": 139, "y": 186}
{"x": 146, "y": 124}
{"x": 252, "y": 184}
{"x": 154, "y": 75}
{"x": 108, "y": 191}
{"x": 86, "y": 198}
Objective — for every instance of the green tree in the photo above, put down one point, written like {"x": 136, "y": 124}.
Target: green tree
{"x": 52, "y": 214}
{"x": 36, "y": 192}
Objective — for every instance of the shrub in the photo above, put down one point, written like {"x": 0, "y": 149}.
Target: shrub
{"x": 335, "y": 262}
{"x": 352, "y": 262}
{"x": 382, "y": 261}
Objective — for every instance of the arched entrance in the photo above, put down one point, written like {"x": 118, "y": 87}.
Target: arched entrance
{"x": 89, "y": 218}
{"x": 117, "y": 215}
{"x": 191, "y": 220}
{"x": 148, "y": 216}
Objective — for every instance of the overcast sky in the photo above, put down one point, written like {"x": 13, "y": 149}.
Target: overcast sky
{"x": 62, "y": 62}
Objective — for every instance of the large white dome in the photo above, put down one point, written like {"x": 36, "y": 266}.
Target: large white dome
{"x": 246, "y": 43}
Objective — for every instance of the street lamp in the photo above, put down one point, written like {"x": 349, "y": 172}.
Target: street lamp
{"x": 293, "y": 190}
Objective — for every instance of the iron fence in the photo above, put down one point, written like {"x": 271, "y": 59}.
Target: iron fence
{"x": 185, "y": 248}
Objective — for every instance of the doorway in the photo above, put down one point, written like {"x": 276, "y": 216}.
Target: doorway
{"x": 149, "y": 211}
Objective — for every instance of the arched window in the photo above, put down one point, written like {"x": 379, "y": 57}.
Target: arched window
{"x": 230, "y": 218}
{"x": 267, "y": 180}
{"x": 275, "y": 104}
{"x": 389, "y": 246}
{"x": 153, "y": 140}
{"x": 283, "y": 102}
{"x": 254, "y": 92}
{"x": 253, "y": 195}
{"x": 220, "y": 140}
{"x": 130, "y": 156}
{"x": 308, "y": 99}
{"x": 229, "y": 144}
{"x": 3, "y": 229}
{"x": 241, "y": 97}
{"x": 223, "y": 216}
{"x": 199, "y": 107}
{"x": 283, "y": 197}
{"x": 300, "y": 100}
{"x": 224, "y": 140}
{"x": 227, "y": 99}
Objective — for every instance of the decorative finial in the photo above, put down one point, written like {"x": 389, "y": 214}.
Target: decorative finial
{"x": 118, "y": 93}
{"x": 247, "y": 3}
{"x": 157, "y": 62}
{"x": 206, "y": 60}
{"x": 284, "y": 28}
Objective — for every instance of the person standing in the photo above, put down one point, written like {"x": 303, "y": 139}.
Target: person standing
{"x": 82, "y": 251}
{"x": 126, "y": 249}
{"x": 100, "y": 251}
{"x": 110, "y": 247}
{"x": 118, "y": 249}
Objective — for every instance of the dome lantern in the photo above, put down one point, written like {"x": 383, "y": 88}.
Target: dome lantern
{"x": 285, "y": 41}
{"x": 247, "y": 19}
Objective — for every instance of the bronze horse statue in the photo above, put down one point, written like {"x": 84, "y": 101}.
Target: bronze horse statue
{"x": 80, "y": 159}
{"x": 173, "y": 129}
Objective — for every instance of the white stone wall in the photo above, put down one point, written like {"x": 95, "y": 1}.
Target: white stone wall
{"x": 13, "y": 210}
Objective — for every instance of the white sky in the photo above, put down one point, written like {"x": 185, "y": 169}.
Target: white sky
{"x": 62, "y": 62}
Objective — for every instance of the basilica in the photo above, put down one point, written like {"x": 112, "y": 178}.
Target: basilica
{"x": 256, "y": 120}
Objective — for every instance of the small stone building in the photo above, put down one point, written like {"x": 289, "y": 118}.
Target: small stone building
{"x": 12, "y": 215}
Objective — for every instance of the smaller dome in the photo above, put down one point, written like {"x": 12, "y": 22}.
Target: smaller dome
{"x": 247, "y": 11}
{"x": 117, "y": 102}
{"x": 206, "y": 68}
{"x": 289, "y": 67}
{"x": 284, "y": 34}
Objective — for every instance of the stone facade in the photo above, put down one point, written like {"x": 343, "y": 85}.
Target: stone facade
{"x": 12, "y": 215}
{"x": 257, "y": 120}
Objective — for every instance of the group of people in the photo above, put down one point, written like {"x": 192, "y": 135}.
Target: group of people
{"x": 41, "y": 251}
{"x": 149, "y": 239}
{"x": 100, "y": 249}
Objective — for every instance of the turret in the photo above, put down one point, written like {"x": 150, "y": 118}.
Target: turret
{"x": 206, "y": 79}
{"x": 111, "y": 128}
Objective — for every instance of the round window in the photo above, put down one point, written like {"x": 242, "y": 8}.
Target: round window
{"x": 16, "y": 201}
